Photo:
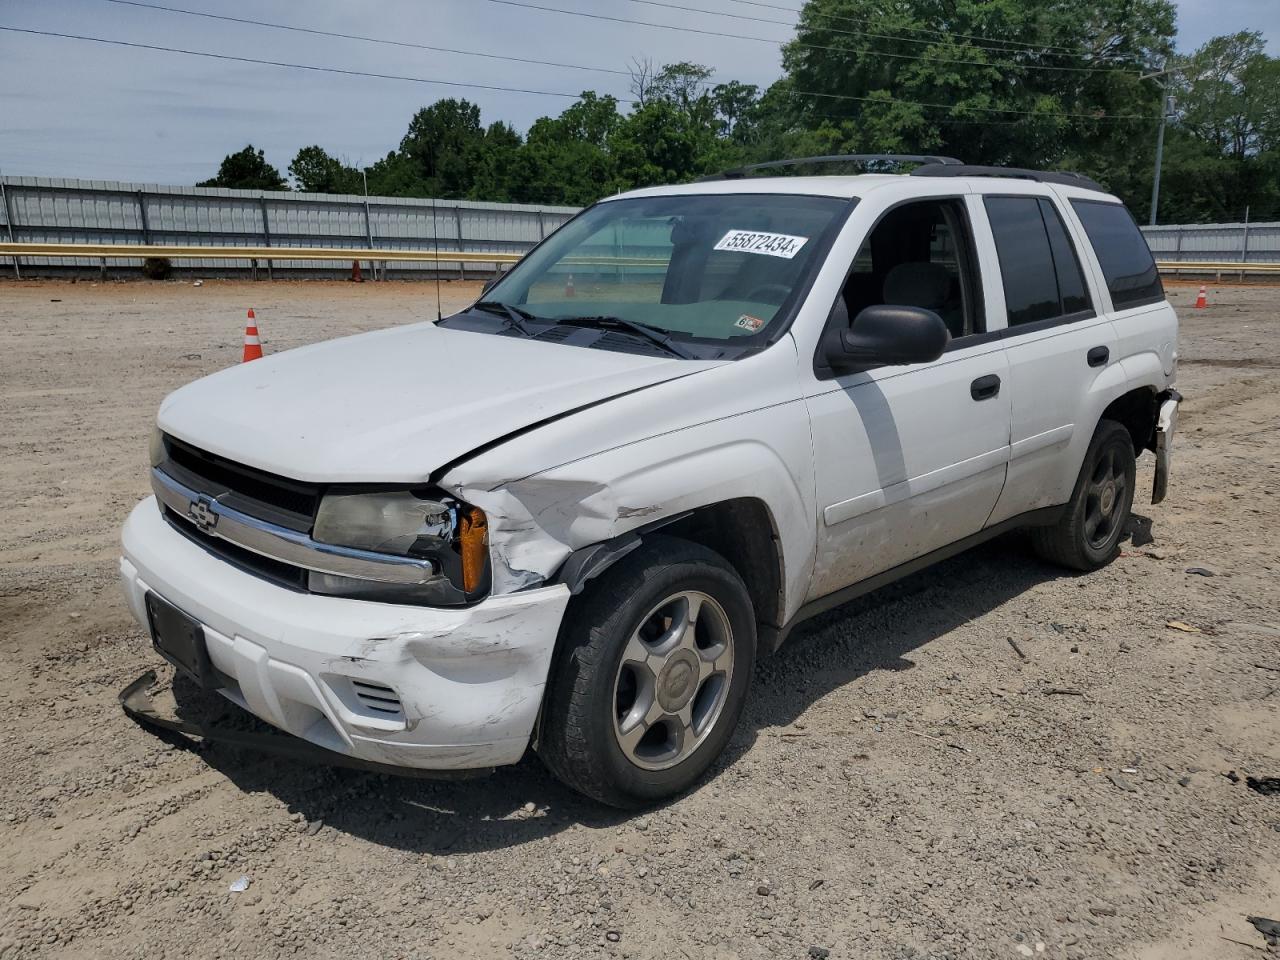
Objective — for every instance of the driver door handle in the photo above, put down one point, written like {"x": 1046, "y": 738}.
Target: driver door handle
{"x": 984, "y": 388}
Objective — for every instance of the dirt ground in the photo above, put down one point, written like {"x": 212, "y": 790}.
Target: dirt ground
{"x": 905, "y": 784}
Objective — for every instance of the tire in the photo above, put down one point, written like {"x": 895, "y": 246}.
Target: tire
{"x": 1088, "y": 535}
{"x": 623, "y": 659}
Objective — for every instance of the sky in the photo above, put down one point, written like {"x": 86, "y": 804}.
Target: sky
{"x": 72, "y": 108}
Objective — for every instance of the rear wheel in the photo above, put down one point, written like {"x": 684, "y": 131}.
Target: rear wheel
{"x": 1088, "y": 535}
{"x": 652, "y": 677}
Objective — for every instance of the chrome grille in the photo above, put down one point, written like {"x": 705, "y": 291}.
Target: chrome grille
{"x": 258, "y": 493}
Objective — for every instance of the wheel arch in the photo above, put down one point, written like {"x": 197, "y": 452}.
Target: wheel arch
{"x": 742, "y": 530}
{"x": 1137, "y": 411}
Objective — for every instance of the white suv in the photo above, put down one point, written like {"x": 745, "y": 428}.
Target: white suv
{"x": 574, "y": 514}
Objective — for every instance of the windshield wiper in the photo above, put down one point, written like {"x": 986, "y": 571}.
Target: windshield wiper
{"x": 652, "y": 334}
{"x": 515, "y": 317}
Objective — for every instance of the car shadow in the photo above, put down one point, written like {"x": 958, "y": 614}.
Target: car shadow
{"x": 885, "y": 630}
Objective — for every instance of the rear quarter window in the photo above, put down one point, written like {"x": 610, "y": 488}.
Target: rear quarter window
{"x": 1126, "y": 260}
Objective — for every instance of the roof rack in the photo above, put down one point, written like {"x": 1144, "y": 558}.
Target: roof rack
{"x": 738, "y": 173}
{"x": 1064, "y": 177}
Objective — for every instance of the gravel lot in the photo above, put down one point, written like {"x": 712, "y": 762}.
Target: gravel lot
{"x": 905, "y": 783}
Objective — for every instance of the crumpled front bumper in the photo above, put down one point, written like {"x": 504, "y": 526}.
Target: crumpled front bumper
{"x": 465, "y": 684}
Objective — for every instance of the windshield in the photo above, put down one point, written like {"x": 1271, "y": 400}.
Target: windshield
{"x": 714, "y": 267}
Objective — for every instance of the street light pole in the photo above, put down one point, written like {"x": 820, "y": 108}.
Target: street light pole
{"x": 368, "y": 227}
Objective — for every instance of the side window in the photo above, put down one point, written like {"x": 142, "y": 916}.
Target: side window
{"x": 1122, "y": 251}
{"x": 1071, "y": 289}
{"x": 920, "y": 255}
{"x": 1042, "y": 276}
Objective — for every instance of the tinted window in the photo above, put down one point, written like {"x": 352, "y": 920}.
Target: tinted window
{"x": 1026, "y": 259}
{"x": 1071, "y": 288}
{"x": 1123, "y": 252}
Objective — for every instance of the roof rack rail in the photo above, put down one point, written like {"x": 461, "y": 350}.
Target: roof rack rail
{"x": 1064, "y": 177}
{"x": 738, "y": 173}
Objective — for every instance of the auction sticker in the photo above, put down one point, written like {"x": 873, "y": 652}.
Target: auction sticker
{"x": 768, "y": 244}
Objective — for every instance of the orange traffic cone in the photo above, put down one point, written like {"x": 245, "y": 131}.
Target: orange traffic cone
{"x": 1202, "y": 301}
{"x": 568, "y": 287}
{"x": 252, "y": 345}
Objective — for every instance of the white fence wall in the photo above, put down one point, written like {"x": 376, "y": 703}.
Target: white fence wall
{"x": 49, "y": 210}
{"x": 1236, "y": 242}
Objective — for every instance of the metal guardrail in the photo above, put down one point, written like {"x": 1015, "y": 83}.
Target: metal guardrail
{"x": 1218, "y": 267}
{"x": 120, "y": 251}
{"x": 115, "y": 251}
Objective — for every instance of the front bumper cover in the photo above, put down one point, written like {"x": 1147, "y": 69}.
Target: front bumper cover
{"x": 467, "y": 683}
{"x": 136, "y": 702}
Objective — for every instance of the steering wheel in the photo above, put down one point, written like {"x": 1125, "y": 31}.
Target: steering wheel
{"x": 760, "y": 292}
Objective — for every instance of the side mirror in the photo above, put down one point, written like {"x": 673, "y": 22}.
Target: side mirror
{"x": 887, "y": 334}
{"x": 489, "y": 285}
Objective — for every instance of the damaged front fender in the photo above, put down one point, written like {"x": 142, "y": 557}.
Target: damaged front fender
{"x": 538, "y": 523}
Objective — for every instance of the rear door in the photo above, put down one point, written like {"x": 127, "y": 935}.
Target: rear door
{"x": 1058, "y": 342}
{"x": 1146, "y": 326}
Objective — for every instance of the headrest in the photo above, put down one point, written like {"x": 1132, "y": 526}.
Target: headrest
{"x": 919, "y": 284}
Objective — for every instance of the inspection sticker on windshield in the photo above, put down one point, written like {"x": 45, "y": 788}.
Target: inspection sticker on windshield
{"x": 769, "y": 244}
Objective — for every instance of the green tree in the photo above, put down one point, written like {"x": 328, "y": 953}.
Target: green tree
{"x": 685, "y": 85}
{"x": 993, "y": 81}
{"x": 443, "y": 146}
{"x": 396, "y": 175}
{"x": 494, "y": 175}
{"x": 733, "y": 103}
{"x": 661, "y": 143}
{"x": 246, "y": 169}
{"x": 590, "y": 119}
{"x": 1229, "y": 95}
{"x": 1223, "y": 151}
{"x": 315, "y": 171}
{"x": 569, "y": 159}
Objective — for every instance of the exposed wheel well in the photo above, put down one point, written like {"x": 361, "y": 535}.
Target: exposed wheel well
{"x": 1136, "y": 411}
{"x": 742, "y": 532}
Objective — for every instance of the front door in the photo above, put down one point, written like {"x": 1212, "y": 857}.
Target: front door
{"x": 911, "y": 458}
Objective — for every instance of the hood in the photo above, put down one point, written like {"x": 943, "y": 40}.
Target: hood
{"x": 394, "y": 405}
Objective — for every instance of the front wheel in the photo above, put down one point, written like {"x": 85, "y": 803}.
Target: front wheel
{"x": 652, "y": 675}
{"x": 1088, "y": 535}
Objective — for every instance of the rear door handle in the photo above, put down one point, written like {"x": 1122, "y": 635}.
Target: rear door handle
{"x": 1098, "y": 356}
{"x": 984, "y": 388}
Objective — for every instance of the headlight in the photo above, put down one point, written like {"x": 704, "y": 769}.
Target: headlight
{"x": 398, "y": 522}
{"x": 452, "y": 535}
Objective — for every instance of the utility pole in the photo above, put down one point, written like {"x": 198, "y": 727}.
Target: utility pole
{"x": 1166, "y": 107}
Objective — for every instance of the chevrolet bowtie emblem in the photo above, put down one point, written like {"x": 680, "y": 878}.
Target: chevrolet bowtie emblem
{"x": 202, "y": 514}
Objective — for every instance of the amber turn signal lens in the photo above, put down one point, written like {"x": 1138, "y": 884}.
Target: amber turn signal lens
{"x": 475, "y": 547}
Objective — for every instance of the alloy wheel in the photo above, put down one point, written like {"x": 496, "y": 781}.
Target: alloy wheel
{"x": 1104, "y": 499}
{"x": 673, "y": 680}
